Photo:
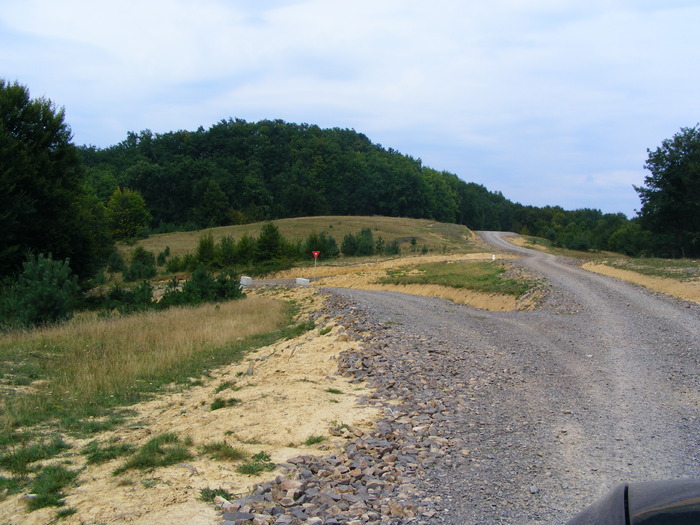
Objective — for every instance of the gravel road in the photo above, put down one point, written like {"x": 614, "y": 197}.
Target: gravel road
{"x": 547, "y": 410}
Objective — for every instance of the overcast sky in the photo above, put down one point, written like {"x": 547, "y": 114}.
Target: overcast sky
{"x": 547, "y": 101}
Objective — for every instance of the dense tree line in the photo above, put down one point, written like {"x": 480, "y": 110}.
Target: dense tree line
{"x": 238, "y": 171}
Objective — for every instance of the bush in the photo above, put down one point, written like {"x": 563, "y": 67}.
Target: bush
{"x": 206, "y": 250}
{"x": 226, "y": 252}
{"x": 163, "y": 256}
{"x": 203, "y": 287}
{"x": 360, "y": 244}
{"x": 143, "y": 265}
{"x": 45, "y": 292}
{"x": 115, "y": 262}
{"x": 321, "y": 242}
{"x": 349, "y": 246}
{"x": 174, "y": 264}
{"x": 365, "y": 242}
{"x": 393, "y": 248}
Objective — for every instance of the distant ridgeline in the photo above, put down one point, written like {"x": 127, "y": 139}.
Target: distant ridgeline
{"x": 238, "y": 172}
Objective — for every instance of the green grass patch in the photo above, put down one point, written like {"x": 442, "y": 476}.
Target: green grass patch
{"x": 48, "y": 487}
{"x": 485, "y": 277}
{"x": 324, "y": 331}
{"x": 223, "y": 403}
{"x": 64, "y": 513}
{"x": 333, "y": 391}
{"x": 301, "y": 329}
{"x": 97, "y": 454}
{"x": 11, "y": 485}
{"x": 161, "y": 451}
{"x": 259, "y": 463}
{"x": 226, "y": 385}
{"x": 313, "y": 440}
{"x": 223, "y": 451}
{"x": 19, "y": 459}
{"x": 102, "y": 422}
{"x": 208, "y": 494}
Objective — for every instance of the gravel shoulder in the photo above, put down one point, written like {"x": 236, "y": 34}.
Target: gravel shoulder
{"x": 541, "y": 412}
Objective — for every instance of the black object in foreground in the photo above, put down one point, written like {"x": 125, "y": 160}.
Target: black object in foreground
{"x": 674, "y": 502}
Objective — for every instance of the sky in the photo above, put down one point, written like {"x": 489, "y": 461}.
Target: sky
{"x": 550, "y": 102}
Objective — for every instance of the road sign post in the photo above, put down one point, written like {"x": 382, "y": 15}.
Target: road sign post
{"x": 315, "y": 254}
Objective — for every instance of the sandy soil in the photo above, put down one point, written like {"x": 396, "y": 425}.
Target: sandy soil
{"x": 284, "y": 402}
{"x": 364, "y": 276}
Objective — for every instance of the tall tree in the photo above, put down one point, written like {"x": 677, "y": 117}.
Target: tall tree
{"x": 671, "y": 194}
{"x": 43, "y": 182}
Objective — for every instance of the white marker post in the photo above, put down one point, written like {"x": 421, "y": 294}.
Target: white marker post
{"x": 316, "y": 254}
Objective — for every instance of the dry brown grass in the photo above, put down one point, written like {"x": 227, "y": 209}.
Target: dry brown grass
{"x": 94, "y": 358}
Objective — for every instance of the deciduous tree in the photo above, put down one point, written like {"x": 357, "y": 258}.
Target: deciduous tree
{"x": 45, "y": 204}
{"x": 671, "y": 194}
{"x": 127, "y": 214}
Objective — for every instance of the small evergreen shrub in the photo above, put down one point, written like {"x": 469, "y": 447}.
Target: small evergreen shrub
{"x": 163, "y": 256}
{"x": 143, "y": 265}
{"x": 392, "y": 248}
{"x": 174, "y": 264}
{"x": 115, "y": 262}
{"x": 45, "y": 292}
{"x": 201, "y": 288}
{"x": 206, "y": 250}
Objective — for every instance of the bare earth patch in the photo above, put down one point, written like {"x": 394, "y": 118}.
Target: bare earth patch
{"x": 688, "y": 290}
{"x": 284, "y": 401}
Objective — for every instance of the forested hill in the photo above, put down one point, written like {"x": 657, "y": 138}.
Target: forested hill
{"x": 245, "y": 171}
{"x": 238, "y": 172}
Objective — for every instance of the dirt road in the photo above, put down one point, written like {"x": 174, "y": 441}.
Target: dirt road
{"x": 547, "y": 410}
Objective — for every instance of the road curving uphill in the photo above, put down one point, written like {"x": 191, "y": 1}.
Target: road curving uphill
{"x": 505, "y": 417}
{"x": 540, "y": 412}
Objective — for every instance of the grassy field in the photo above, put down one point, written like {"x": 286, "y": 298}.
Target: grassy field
{"x": 72, "y": 374}
{"x": 435, "y": 236}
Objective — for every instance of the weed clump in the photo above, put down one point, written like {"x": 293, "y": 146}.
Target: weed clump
{"x": 313, "y": 440}
{"x": 18, "y": 461}
{"x": 96, "y": 455}
{"x": 48, "y": 486}
{"x": 223, "y": 451}
{"x": 222, "y": 403}
{"x": 161, "y": 451}
{"x": 259, "y": 463}
{"x": 209, "y": 494}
